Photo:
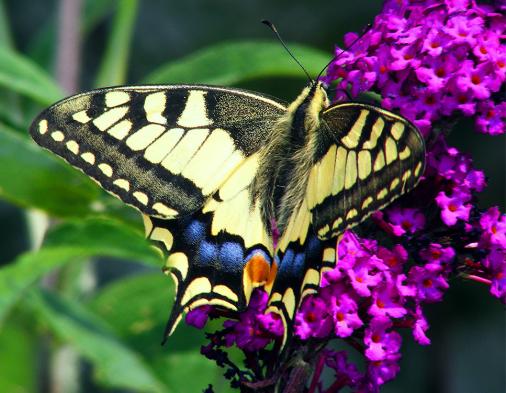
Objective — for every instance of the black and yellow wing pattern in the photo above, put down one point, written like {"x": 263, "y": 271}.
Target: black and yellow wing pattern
{"x": 184, "y": 156}
{"x": 211, "y": 168}
{"x": 362, "y": 158}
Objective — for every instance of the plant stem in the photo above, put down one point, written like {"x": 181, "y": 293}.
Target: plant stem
{"x": 69, "y": 40}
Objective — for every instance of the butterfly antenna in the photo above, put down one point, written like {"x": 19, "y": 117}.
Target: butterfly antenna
{"x": 275, "y": 31}
{"x": 364, "y": 32}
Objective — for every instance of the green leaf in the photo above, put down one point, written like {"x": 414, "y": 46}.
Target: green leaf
{"x": 234, "y": 62}
{"x": 114, "y": 65}
{"x": 94, "y": 12}
{"x": 67, "y": 243}
{"x": 20, "y": 74}
{"x": 191, "y": 370}
{"x": 16, "y": 277}
{"x": 18, "y": 356}
{"x": 9, "y": 101}
{"x": 137, "y": 307}
{"x": 31, "y": 177}
{"x": 103, "y": 236}
{"x": 115, "y": 364}
{"x": 5, "y": 34}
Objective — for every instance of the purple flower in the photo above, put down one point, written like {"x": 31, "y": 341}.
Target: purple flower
{"x": 452, "y": 48}
{"x": 474, "y": 180}
{"x": 365, "y": 274}
{"x": 420, "y": 327}
{"x": 429, "y": 282}
{"x": 405, "y": 220}
{"x": 381, "y": 371}
{"x": 434, "y": 62}
{"x": 493, "y": 224}
{"x": 444, "y": 160}
{"x": 496, "y": 264}
{"x": 453, "y": 207}
{"x": 475, "y": 78}
{"x": 403, "y": 57}
{"x": 436, "y": 72}
{"x": 379, "y": 342}
{"x": 464, "y": 29}
{"x": 249, "y": 332}
{"x": 272, "y": 323}
{"x": 387, "y": 301}
{"x": 334, "y": 276}
{"x": 344, "y": 371}
{"x": 313, "y": 319}
{"x": 343, "y": 309}
{"x": 198, "y": 317}
{"x": 491, "y": 118}
{"x": 394, "y": 259}
{"x": 436, "y": 253}
{"x": 434, "y": 42}
{"x": 358, "y": 263}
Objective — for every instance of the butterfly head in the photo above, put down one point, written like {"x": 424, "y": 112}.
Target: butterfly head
{"x": 314, "y": 101}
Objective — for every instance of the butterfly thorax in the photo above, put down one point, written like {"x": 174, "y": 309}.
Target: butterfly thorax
{"x": 287, "y": 159}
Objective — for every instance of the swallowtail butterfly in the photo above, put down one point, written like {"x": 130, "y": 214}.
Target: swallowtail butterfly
{"x": 210, "y": 168}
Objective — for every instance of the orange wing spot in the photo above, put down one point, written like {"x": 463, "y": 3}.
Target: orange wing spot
{"x": 257, "y": 270}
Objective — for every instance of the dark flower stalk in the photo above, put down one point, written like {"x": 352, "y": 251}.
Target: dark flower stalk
{"x": 434, "y": 62}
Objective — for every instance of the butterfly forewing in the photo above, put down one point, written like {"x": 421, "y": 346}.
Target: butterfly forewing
{"x": 162, "y": 149}
{"x": 363, "y": 158}
{"x": 370, "y": 157}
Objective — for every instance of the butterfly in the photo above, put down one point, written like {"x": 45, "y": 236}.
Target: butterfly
{"x": 211, "y": 168}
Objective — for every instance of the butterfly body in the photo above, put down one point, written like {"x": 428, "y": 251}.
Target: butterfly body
{"x": 212, "y": 168}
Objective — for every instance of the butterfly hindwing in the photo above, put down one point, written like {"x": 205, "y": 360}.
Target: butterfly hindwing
{"x": 371, "y": 156}
{"x": 216, "y": 256}
{"x": 162, "y": 149}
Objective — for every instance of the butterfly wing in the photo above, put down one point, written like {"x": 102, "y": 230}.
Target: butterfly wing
{"x": 162, "y": 149}
{"x": 299, "y": 256}
{"x": 364, "y": 158}
{"x": 216, "y": 256}
{"x": 189, "y": 152}
{"x": 372, "y": 156}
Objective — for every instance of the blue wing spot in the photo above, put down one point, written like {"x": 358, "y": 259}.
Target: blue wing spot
{"x": 232, "y": 256}
{"x": 208, "y": 253}
{"x": 298, "y": 263}
{"x": 287, "y": 260}
{"x": 313, "y": 247}
{"x": 194, "y": 232}
{"x": 292, "y": 264}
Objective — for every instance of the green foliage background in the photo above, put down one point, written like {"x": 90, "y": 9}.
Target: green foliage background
{"x": 84, "y": 310}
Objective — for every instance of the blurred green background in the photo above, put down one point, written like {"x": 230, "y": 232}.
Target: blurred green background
{"x": 85, "y": 312}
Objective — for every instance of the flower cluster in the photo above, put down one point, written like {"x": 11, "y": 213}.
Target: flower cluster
{"x": 434, "y": 61}
{"x": 430, "y": 61}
